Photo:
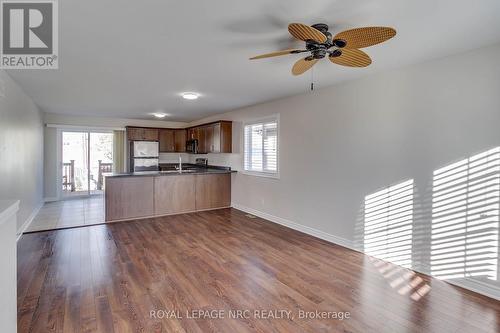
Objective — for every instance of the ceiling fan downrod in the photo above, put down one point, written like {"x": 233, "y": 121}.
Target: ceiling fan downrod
{"x": 312, "y": 79}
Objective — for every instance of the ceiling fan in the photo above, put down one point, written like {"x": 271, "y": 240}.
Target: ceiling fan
{"x": 341, "y": 49}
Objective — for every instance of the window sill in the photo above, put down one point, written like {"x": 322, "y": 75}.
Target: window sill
{"x": 260, "y": 174}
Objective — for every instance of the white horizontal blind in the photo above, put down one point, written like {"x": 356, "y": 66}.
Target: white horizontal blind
{"x": 261, "y": 146}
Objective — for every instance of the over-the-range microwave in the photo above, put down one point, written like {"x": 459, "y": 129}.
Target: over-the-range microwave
{"x": 192, "y": 146}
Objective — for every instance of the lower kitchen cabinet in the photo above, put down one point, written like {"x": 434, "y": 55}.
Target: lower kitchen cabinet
{"x": 213, "y": 191}
{"x": 133, "y": 197}
{"x": 128, "y": 197}
{"x": 174, "y": 194}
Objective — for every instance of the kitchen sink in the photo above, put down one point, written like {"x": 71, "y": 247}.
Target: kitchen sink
{"x": 177, "y": 171}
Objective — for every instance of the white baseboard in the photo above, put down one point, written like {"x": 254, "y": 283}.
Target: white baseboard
{"x": 299, "y": 227}
{"x": 466, "y": 283}
{"x": 50, "y": 199}
{"x": 478, "y": 287}
{"x": 474, "y": 285}
{"x": 28, "y": 221}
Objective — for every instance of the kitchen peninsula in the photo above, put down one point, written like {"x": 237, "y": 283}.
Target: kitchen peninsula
{"x": 157, "y": 193}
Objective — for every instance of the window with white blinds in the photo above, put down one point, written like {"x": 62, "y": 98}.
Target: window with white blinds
{"x": 260, "y": 145}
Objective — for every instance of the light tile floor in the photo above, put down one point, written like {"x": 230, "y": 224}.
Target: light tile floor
{"x": 69, "y": 213}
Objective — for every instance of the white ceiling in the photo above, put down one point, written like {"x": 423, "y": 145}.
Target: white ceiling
{"x": 128, "y": 58}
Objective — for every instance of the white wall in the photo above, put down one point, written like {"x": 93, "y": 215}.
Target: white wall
{"x": 50, "y": 143}
{"x": 8, "y": 262}
{"x": 21, "y": 149}
{"x": 341, "y": 143}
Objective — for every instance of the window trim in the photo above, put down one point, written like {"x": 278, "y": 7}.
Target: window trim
{"x": 275, "y": 175}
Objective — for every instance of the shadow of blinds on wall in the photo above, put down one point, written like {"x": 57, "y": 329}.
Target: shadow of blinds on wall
{"x": 388, "y": 227}
{"x": 465, "y": 217}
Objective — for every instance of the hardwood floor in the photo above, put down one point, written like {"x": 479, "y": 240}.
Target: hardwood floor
{"x": 108, "y": 278}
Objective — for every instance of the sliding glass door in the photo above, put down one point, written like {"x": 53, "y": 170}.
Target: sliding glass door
{"x": 86, "y": 156}
{"x": 101, "y": 159}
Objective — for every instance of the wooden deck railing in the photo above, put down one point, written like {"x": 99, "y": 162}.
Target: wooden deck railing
{"x": 68, "y": 176}
{"x": 103, "y": 168}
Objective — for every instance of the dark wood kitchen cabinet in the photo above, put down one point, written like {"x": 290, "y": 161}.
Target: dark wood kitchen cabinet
{"x": 226, "y": 137}
{"x": 180, "y": 137}
{"x": 213, "y": 138}
{"x": 202, "y": 140}
{"x": 167, "y": 141}
{"x": 132, "y": 197}
{"x": 174, "y": 194}
{"x": 128, "y": 197}
{"x": 142, "y": 134}
{"x": 213, "y": 191}
{"x": 190, "y": 133}
{"x": 210, "y": 138}
{"x": 220, "y": 138}
{"x": 198, "y": 133}
{"x": 172, "y": 140}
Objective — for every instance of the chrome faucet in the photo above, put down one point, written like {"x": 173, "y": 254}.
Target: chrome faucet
{"x": 180, "y": 163}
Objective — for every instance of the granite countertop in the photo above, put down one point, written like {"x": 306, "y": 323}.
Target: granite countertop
{"x": 191, "y": 171}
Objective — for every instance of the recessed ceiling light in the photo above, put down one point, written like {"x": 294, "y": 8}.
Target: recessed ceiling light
{"x": 190, "y": 95}
{"x": 160, "y": 115}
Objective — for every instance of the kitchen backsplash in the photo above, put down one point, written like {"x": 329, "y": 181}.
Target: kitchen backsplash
{"x": 174, "y": 157}
{"x": 231, "y": 160}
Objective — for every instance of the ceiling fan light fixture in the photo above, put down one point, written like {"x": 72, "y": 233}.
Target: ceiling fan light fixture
{"x": 339, "y": 43}
{"x": 190, "y": 95}
{"x": 335, "y": 53}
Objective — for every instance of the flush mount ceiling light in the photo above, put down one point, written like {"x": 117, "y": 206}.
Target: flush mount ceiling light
{"x": 159, "y": 115}
{"x": 190, "y": 95}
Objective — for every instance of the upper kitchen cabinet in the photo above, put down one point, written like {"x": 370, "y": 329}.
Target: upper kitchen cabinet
{"x": 198, "y": 133}
{"x": 210, "y": 138}
{"x": 201, "y": 135}
{"x": 213, "y": 138}
{"x": 167, "y": 141}
{"x": 226, "y": 137}
{"x": 221, "y": 138}
{"x": 172, "y": 140}
{"x": 180, "y": 137}
{"x": 142, "y": 134}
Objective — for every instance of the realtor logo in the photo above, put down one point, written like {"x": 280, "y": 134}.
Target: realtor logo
{"x": 29, "y": 34}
